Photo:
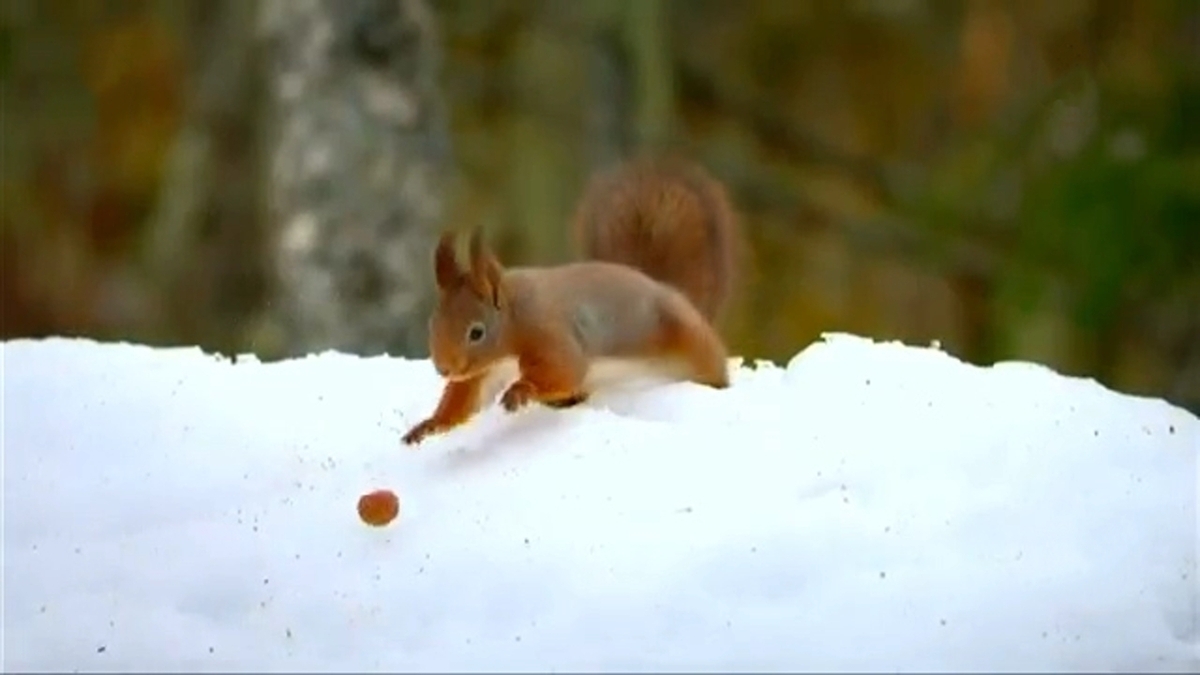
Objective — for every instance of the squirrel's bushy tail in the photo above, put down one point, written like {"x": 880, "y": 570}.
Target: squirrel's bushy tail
{"x": 669, "y": 218}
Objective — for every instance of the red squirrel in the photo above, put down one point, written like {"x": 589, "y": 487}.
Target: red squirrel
{"x": 659, "y": 241}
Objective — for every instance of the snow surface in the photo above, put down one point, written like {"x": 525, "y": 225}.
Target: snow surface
{"x": 868, "y": 507}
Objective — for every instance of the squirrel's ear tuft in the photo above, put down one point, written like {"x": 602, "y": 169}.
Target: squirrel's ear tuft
{"x": 485, "y": 270}
{"x": 445, "y": 262}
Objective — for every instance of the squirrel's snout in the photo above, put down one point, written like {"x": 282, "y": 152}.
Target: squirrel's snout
{"x": 448, "y": 367}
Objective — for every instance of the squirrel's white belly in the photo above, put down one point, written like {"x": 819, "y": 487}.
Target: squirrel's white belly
{"x": 604, "y": 373}
{"x": 610, "y": 373}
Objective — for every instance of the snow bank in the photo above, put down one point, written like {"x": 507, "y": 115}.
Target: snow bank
{"x": 868, "y": 507}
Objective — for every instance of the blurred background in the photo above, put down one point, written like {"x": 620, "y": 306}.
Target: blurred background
{"x": 1017, "y": 180}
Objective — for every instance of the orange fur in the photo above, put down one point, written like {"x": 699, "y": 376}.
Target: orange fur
{"x": 661, "y": 241}
{"x": 459, "y": 402}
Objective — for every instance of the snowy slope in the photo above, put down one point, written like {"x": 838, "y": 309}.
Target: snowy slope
{"x": 868, "y": 507}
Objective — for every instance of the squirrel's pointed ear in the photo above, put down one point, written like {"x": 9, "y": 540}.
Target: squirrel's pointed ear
{"x": 485, "y": 269}
{"x": 445, "y": 263}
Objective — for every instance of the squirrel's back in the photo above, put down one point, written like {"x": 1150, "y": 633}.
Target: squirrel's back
{"x": 668, "y": 218}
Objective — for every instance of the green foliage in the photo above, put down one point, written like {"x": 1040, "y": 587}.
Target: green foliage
{"x": 1119, "y": 218}
{"x": 1113, "y": 221}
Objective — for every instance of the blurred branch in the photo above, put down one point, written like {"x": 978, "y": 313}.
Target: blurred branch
{"x": 887, "y": 233}
{"x": 204, "y": 247}
{"x": 797, "y": 145}
{"x": 963, "y": 247}
{"x": 175, "y": 220}
{"x": 650, "y": 51}
{"x": 544, "y": 69}
{"x": 609, "y": 97}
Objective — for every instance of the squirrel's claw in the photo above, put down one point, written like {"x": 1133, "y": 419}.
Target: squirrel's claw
{"x": 516, "y": 396}
{"x": 420, "y": 431}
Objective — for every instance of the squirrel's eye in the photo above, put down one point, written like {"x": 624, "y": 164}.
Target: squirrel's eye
{"x": 475, "y": 332}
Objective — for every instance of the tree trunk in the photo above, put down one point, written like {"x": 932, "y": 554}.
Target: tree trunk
{"x": 359, "y": 147}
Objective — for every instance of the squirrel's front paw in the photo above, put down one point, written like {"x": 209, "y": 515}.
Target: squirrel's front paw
{"x": 420, "y": 431}
{"x": 517, "y": 395}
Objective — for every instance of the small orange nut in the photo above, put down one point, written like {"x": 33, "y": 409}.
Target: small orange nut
{"x": 379, "y": 507}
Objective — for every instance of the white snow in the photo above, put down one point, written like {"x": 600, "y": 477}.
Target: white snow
{"x": 869, "y": 507}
